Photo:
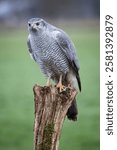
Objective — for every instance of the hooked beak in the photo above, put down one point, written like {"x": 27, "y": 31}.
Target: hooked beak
{"x": 33, "y": 27}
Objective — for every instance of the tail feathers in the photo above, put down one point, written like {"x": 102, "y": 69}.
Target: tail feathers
{"x": 72, "y": 111}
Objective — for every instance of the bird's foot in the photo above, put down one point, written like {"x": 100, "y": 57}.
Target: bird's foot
{"x": 69, "y": 86}
{"x": 61, "y": 87}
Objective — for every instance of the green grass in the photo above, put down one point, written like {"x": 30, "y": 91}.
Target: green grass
{"x": 18, "y": 74}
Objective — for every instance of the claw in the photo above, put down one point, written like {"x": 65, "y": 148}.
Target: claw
{"x": 60, "y": 86}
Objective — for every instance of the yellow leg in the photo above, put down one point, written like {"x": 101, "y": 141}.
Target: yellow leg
{"x": 60, "y": 86}
{"x": 48, "y": 81}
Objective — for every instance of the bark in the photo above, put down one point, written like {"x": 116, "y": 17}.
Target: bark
{"x": 50, "y": 111}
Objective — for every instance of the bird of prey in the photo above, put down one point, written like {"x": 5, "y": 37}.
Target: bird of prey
{"x": 55, "y": 53}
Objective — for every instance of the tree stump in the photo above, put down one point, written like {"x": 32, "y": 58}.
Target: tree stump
{"x": 50, "y": 111}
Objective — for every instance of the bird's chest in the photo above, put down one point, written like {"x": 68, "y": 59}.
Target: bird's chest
{"x": 46, "y": 50}
{"x": 49, "y": 55}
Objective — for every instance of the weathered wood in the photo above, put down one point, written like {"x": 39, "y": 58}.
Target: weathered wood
{"x": 50, "y": 111}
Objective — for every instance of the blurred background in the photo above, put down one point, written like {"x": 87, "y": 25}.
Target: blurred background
{"x": 18, "y": 73}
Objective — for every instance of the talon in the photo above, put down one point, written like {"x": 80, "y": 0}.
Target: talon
{"x": 69, "y": 86}
{"x": 61, "y": 87}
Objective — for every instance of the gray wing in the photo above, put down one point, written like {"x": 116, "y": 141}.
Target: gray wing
{"x": 68, "y": 48}
{"x": 30, "y": 49}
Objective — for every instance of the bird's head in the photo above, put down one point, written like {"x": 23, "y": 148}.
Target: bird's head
{"x": 36, "y": 24}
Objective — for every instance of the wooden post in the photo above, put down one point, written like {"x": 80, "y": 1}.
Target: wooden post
{"x": 50, "y": 111}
